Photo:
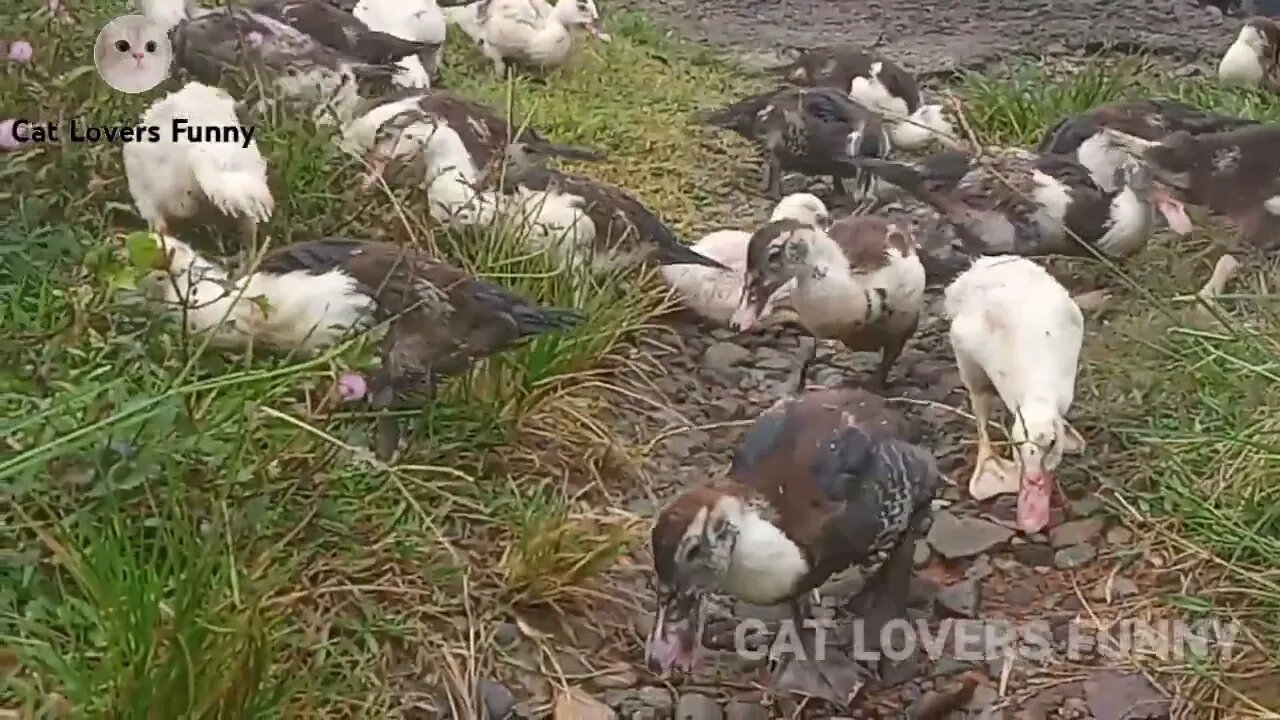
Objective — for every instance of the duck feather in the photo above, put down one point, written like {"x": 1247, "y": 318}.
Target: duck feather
{"x": 341, "y": 31}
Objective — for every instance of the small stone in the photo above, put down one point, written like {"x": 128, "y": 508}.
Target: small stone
{"x": 979, "y": 569}
{"x": 1020, "y": 596}
{"x": 961, "y": 599}
{"x": 656, "y": 698}
{"x": 922, "y": 554}
{"x": 1086, "y": 506}
{"x": 695, "y": 706}
{"x": 1119, "y": 536}
{"x": 1076, "y": 532}
{"x": 955, "y": 537}
{"x": 1121, "y": 587}
{"x": 723, "y": 356}
{"x": 1074, "y": 556}
{"x": 745, "y": 711}
{"x": 498, "y": 700}
{"x": 506, "y": 634}
{"x": 1034, "y": 555}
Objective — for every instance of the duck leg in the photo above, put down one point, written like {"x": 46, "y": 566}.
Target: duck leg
{"x": 1223, "y": 273}
{"x": 987, "y": 482}
{"x": 773, "y": 178}
{"x": 885, "y": 595}
{"x": 889, "y": 355}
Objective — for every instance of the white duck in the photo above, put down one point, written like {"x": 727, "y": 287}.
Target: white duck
{"x": 1254, "y": 58}
{"x": 1017, "y": 335}
{"x": 417, "y": 20}
{"x": 714, "y": 293}
{"x": 175, "y": 179}
{"x": 518, "y": 31}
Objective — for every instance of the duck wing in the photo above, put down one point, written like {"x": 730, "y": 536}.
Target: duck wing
{"x": 340, "y": 30}
{"x": 745, "y": 116}
{"x": 1148, "y": 119}
{"x": 486, "y": 133}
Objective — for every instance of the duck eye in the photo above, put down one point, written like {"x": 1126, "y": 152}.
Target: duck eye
{"x": 151, "y": 46}
{"x": 693, "y": 553}
{"x": 122, "y": 45}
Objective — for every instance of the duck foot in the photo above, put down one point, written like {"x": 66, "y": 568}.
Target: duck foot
{"x": 833, "y": 677}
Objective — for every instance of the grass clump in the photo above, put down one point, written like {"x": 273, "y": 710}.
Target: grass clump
{"x": 200, "y": 535}
{"x": 1190, "y": 404}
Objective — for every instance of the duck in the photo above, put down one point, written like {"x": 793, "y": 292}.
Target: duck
{"x": 310, "y": 76}
{"x": 420, "y": 21}
{"x": 1081, "y": 138}
{"x": 814, "y": 131}
{"x": 1017, "y": 335}
{"x": 1235, "y": 173}
{"x": 714, "y": 294}
{"x": 349, "y": 35}
{"x": 1253, "y": 59}
{"x": 880, "y": 85}
{"x": 586, "y": 220}
{"x": 490, "y": 139}
{"x": 860, "y": 282}
{"x": 307, "y": 296}
{"x": 1015, "y": 201}
{"x": 528, "y": 32}
{"x": 177, "y": 180}
{"x": 823, "y": 481}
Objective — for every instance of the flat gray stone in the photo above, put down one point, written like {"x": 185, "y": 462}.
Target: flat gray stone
{"x": 725, "y": 355}
{"x": 922, "y": 554}
{"x": 1074, "y": 556}
{"x": 695, "y": 706}
{"x": 961, "y": 599}
{"x": 1076, "y": 532}
{"x": 1119, "y": 536}
{"x": 745, "y": 711}
{"x": 955, "y": 537}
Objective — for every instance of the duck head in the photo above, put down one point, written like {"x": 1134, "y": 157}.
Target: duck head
{"x": 1137, "y": 177}
{"x": 583, "y": 14}
{"x": 774, "y": 254}
{"x": 1040, "y": 436}
{"x": 400, "y": 137}
{"x": 693, "y": 544}
{"x": 929, "y": 123}
{"x": 1170, "y": 159}
{"x": 805, "y": 208}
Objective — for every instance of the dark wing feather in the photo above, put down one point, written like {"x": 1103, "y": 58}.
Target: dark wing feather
{"x": 216, "y": 42}
{"x": 339, "y": 30}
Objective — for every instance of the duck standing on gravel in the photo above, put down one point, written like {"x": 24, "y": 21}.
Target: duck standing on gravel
{"x": 814, "y": 131}
{"x": 1234, "y": 173}
{"x": 310, "y": 295}
{"x": 1017, "y": 335}
{"x": 861, "y": 283}
{"x": 1254, "y": 58}
{"x": 174, "y": 180}
{"x": 714, "y": 294}
{"x": 1017, "y": 202}
{"x": 823, "y": 481}
{"x": 878, "y": 84}
{"x": 1081, "y": 137}
{"x": 527, "y": 32}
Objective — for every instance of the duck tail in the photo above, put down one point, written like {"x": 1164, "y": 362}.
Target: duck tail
{"x": 574, "y": 152}
{"x": 1067, "y": 135}
{"x": 737, "y": 115}
{"x": 533, "y": 319}
{"x": 895, "y": 173}
{"x": 367, "y": 72}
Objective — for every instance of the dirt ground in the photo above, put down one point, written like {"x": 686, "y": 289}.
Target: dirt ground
{"x": 935, "y": 36}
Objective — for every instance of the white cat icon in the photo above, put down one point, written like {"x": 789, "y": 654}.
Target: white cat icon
{"x": 133, "y": 54}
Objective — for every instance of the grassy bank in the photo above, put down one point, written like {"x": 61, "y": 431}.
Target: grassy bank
{"x": 1190, "y": 407}
{"x": 194, "y": 535}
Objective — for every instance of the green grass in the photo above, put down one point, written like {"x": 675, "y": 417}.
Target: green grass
{"x": 1190, "y": 406}
{"x": 191, "y": 534}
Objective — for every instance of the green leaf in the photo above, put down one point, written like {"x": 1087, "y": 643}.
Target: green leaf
{"x": 144, "y": 251}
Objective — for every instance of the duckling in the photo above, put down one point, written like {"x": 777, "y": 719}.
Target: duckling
{"x": 1017, "y": 335}
{"x": 418, "y": 20}
{"x": 714, "y": 294}
{"x": 814, "y": 131}
{"x": 175, "y": 179}
{"x": 861, "y": 283}
{"x": 610, "y": 228}
{"x": 1234, "y": 173}
{"x": 344, "y": 32}
{"x": 1081, "y": 137}
{"x": 307, "y": 74}
{"x": 1017, "y": 202}
{"x": 309, "y": 295}
{"x": 1254, "y": 58}
{"x": 877, "y": 84}
{"x": 823, "y": 481}
{"x": 517, "y": 31}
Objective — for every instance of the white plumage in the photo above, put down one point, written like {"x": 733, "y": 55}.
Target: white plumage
{"x": 907, "y": 130}
{"x": 416, "y": 20}
{"x": 175, "y": 179}
{"x": 528, "y": 31}
{"x": 1017, "y": 334}
{"x": 713, "y": 293}
{"x": 299, "y": 311}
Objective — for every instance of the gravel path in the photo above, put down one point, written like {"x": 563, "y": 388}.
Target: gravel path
{"x": 934, "y": 36}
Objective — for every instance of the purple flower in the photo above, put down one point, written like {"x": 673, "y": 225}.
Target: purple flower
{"x": 20, "y": 51}
{"x": 8, "y": 140}
{"x": 352, "y": 386}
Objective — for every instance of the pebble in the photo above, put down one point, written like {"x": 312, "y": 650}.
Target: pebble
{"x": 1034, "y": 555}
{"x": 745, "y": 711}
{"x": 1085, "y": 506}
{"x": 695, "y": 706}
{"x": 723, "y": 356}
{"x": 1074, "y": 556}
{"x": 922, "y": 554}
{"x": 1076, "y": 532}
{"x": 506, "y": 634}
{"x": 656, "y": 698}
{"x": 1119, "y": 536}
{"x": 955, "y": 537}
{"x": 498, "y": 700}
{"x": 1121, "y": 587}
{"x": 962, "y": 598}
{"x": 979, "y": 569}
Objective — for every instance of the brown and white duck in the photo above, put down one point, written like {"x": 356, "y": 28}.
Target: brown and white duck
{"x": 823, "y": 481}
{"x": 310, "y": 295}
{"x": 342, "y": 31}
{"x": 1017, "y": 202}
{"x": 1254, "y": 58}
{"x": 814, "y": 131}
{"x": 878, "y": 84}
{"x": 593, "y": 222}
{"x": 1234, "y": 173}
{"x": 1081, "y": 138}
{"x": 860, "y": 282}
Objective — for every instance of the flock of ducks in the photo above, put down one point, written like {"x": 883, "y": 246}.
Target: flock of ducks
{"x": 825, "y": 480}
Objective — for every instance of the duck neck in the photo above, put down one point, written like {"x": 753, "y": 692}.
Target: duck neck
{"x": 168, "y": 13}
{"x": 823, "y": 262}
{"x": 1132, "y": 216}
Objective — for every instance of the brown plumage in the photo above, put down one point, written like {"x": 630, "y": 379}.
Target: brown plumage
{"x": 836, "y": 66}
{"x": 823, "y": 481}
{"x": 441, "y": 318}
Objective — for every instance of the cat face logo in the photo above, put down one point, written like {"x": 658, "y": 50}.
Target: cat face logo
{"x": 133, "y": 54}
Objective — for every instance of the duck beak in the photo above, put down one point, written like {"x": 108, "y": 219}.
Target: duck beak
{"x": 677, "y": 633}
{"x": 1034, "y": 497}
{"x": 1174, "y": 212}
{"x": 377, "y": 166}
{"x": 680, "y": 254}
{"x": 750, "y": 308}
{"x": 593, "y": 27}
